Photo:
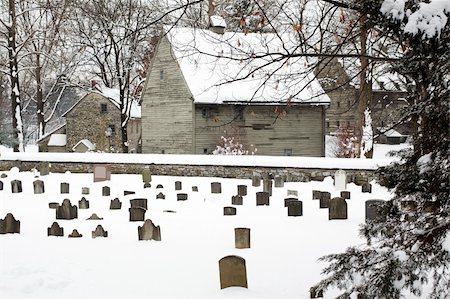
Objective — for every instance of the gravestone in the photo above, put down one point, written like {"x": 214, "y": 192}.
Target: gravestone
{"x": 75, "y": 234}
{"x": 9, "y": 225}
{"x": 3, "y": 176}
{"x": 375, "y": 211}
{"x": 160, "y": 195}
{"x": 44, "y": 168}
{"x": 241, "y": 237}
{"x": 233, "y": 272}
{"x": 16, "y": 186}
{"x": 102, "y": 173}
{"x": 139, "y": 203}
{"x": 159, "y": 186}
{"x": 177, "y": 185}
{"x": 137, "y": 213}
{"x": 115, "y": 204}
{"x": 229, "y": 211}
{"x": 216, "y": 187}
{"x": 194, "y": 189}
{"x": 408, "y": 206}
{"x": 55, "y": 230}
{"x": 85, "y": 191}
{"x": 316, "y": 194}
{"x": 182, "y": 196}
{"x": 146, "y": 175}
{"x": 147, "y": 185}
{"x": 125, "y": 193}
{"x": 83, "y": 203}
{"x": 148, "y": 231}
{"x": 345, "y": 194}
{"x": 279, "y": 181}
{"x": 256, "y": 180}
{"x": 237, "y": 200}
{"x": 53, "y": 205}
{"x": 295, "y": 208}
{"x": 66, "y": 211}
{"x": 94, "y": 216}
{"x": 1, "y": 185}
{"x": 366, "y": 188}
{"x": 106, "y": 191}
{"x": 431, "y": 207}
{"x": 324, "y": 199}
{"x": 267, "y": 186}
{"x": 262, "y": 198}
{"x": 242, "y": 190}
{"x": 64, "y": 188}
{"x": 99, "y": 232}
{"x": 337, "y": 208}
{"x": 314, "y": 293}
{"x": 38, "y": 187}
{"x": 292, "y": 192}
{"x": 340, "y": 180}
{"x": 286, "y": 200}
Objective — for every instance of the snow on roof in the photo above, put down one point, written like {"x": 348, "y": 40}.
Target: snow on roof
{"x": 217, "y": 21}
{"x": 57, "y": 140}
{"x": 390, "y": 132}
{"x": 217, "y": 69}
{"x": 113, "y": 95}
{"x": 52, "y": 131}
{"x": 86, "y": 143}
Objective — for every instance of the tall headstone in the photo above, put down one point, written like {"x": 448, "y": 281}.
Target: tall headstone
{"x": 216, "y": 187}
{"x": 83, "y": 203}
{"x": 236, "y": 200}
{"x": 102, "y": 173}
{"x": 340, "y": 179}
{"x": 324, "y": 199}
{"x": 44, "y": 168}
{"x": 337, "y": 208}
{"x": 146, "y": 175}
{"x": 38, "y": 187}
{"x": 233, "y": 272}
{"x": 137, "y": 214}
{"x": 256, "y": 180}
{"x": 267, "y": 186}
{"x": 295, "y": 208}
{"x": 99, "y": 232}
{"x": 55, "y": 230}
{"x": 16, "y": 186}
{"x": 345, "y": 194}
{"x": 182, "y": 196}
{"x": 262, "y": 198}
{"x": 316, "y": 194}
{"x": 229, "y": 211}
{"x": 106, "y": 191}
{"x": 64, "y": 188}
{"x": 375, "y": 211}
{"x": 241, "y": 237}
{"x": 9, "y": 225}
{"x": 148, "y": 231}
{"x": 366, "y": 188}
{"x": 139, "y": 202}
{"x": 75, "y": 234}
{"x": 279, "y": 181}
{"x": 242, "y": 190}
{"x": 177, "y": 185}
{"x": 66, "y": 211}
{"x": 85, "y": 191}
{"x": 115, "y": 204}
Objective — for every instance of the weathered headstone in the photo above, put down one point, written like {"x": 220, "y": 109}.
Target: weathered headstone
{"x": 66, "y": 210}
{"x": 237, "y": 200}
{"x": 337, "y": 208}
{"x": 146, "y": 175}
{"x": 286, "y": 200}
{"x": 216, "y": 187}
{"x": 53, "y": 205}
{"x": 125, "y": 193}
{"x": 85, "y": 191}
{"x": 242, "y": 190}
{"x": 94, "y": 216}
{"x": 75, "y": 234}
{"x": 233, "y": 272}
{"x": 9, "y": 225}
{"x": 44, "y": 168}
{"x": 345, "y": 194}
{"x": 177, "y": 185}
{"x": 83, "y": 203}
{"x": 115, "y": 204}
{"x": 366, "y": 188}
{"x": 38, "y": 187}
{"x": 16, "y": 186}
{"x": 106, "y": 191}
{"x": 295, "y": 208}
{"x": 340, "y": 179}
{"x": 160, "y": 195}
{"x": 3, "y": 176}
{"x": 256, "y": 180}
{"x": 279, "y": 181}
{"x": 148, "y": 231}
{"x": 292, "y": 193}
{"x": 137, "y": 214}
{"x": 139, "y": 202}
{"x": 374, "y": 210}
{"x": 159, "y": 186}
{"x": 102, "y": 173}
{"x": 229, "y": 211}
{"x": 55, "y": 230}
{"x": 241, "y": 237}
{"x": 99, "y": 232}
{"x": 262, "y": 198}
{"x": 147, "y": 185}
{"x": 194, "y": 189}
{"x": 182, "y": 196}
{"x": 1, "y": 185}
{"x": 431, "y": 207}
{"x": 324, "y": 199}
{"x": 408, "y": 206}
{"x": 267, "y": 186}
{"x": 64, "y": 188}
{"x": 316, "y": 194}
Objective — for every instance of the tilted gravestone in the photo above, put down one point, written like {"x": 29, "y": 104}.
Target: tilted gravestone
{"x": 316, "y": 194}
{"x": 242, "y": 190}
{"x": 182, "y": 196}
{"x": 38, "y": 187}
{"x": 233, "y": 272}
{"x": 292, "y": 193}
{"x": 366, "y": 188}
{"x": 375, "y": 210}
{"x": 99, "y": 232}
{"x": 16, "y": 186}
{"x": 216, "y": 187}
{"x": 102, "y": 173}
{"x": 85, "y": 191}
{"x": 194, "y": 189}
{"x": 146, "y": 175}
{"x": 279, "y": 181}
{"x": 295, "y": 208}
{"x": 125, "y": 193}
{"x": 262, "y": 198}
{"x": 229, "y": 211}
{"x": 115, "y": 204}
{"x": 139, "y": 202}
{"x": 44, "y": 168}
{"x": 66, "y": 211}
{"x": 55, "y": 230}
{"x": 340, "y": 180}
{"x": 177, "y": 185}
{"x": 236, "y": 200}
{"x": 241, "y": 237}
{"x": 345, "y": 194}
{"x": 160, "y": 195}
{"x": 288, "y": 199}
{"x": 267, "y": 186}
{"x": 337, "y": 208}
{"x": 324, "y": 199}
{"x": 137, "y": 213}
{"x": 256, "y": 180}
{"x": 64, "y": 188}
{"x": 9, "y": 225}
{"x": 94, "y": 216}
{"x": 148, "y": 231}
{"x": 75, "y": 234}
{"x": 106, "y": 191}
{"x": 83, "y": 203}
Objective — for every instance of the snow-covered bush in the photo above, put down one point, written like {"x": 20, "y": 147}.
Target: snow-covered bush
{"x": 230, "y": 145}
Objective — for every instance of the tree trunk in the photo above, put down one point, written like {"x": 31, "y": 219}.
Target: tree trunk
{"x": 39, "y": 98}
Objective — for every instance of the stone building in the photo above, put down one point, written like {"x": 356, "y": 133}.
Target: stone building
{"x": 186, "y": 110}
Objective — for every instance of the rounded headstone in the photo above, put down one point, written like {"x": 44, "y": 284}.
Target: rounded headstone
{"x": 337, "y": 208}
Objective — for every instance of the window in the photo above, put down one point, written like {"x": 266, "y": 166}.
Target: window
{"x": 113, "y": 128}
{"x": 328, "y": 124}
{"x": 163, "y": 152}
{"x": 161, "y": 74}
{"x": 205, "y": 151}
{"x": 103, "y": 108}
{"x": 339, "y": 104}
{"x": 205, "y": 112}
{"x": 288, "y": 151}
{"x": 338, "y": 123}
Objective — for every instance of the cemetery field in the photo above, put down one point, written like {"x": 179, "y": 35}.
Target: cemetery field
{"x": 280, "y": 263}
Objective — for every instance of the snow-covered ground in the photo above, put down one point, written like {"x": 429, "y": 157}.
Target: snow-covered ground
{"x": 281, "y": 263}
